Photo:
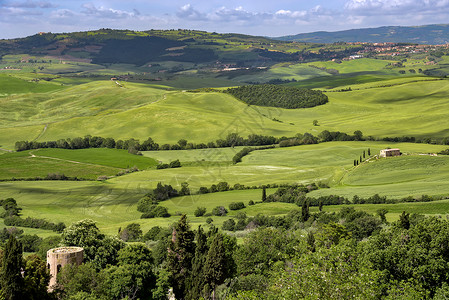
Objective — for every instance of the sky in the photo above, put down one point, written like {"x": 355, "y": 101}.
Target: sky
{"x": 20, "y": 18}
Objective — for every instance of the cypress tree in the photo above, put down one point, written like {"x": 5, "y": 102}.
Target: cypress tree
{"x": 305, "y": 211}
{"x": 12, "y": 282}
{"x": 197, "y": 277}
{"x": 215, "y": 265}
{"x": 361, "y": 159}
{"x": 363, "y": 153}
{"x": 369, "y": 152}
{"x": 264, "y": 194}
{"x": 320, "y": 205}
{"x": 179, "y": 259}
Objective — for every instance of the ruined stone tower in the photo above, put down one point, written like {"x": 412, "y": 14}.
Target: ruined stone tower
{"x": 59, "y": 257}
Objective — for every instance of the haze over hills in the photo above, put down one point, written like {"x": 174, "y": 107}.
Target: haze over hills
{"x": 428, "y": 34}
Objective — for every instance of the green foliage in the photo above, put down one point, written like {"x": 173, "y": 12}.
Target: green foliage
{"x": 98, "y": 249}
{"x": 215, "y": 265}
{"x": 228, "y": 225}
{"x": 325, "y": 274}
{"x": 11, "y": 281}
{"x": 152, "y": 234}
{"x": 236, "y": 205}
{"x": 131, "y": 233}
{"x": 181, "y": 251}
{"x": 278, "y": 96}
{"x": 219, "y": 211}
{"x": 263, "y": 248}
{"x": 36, "y": 278}
{"x": 73, "y": 280}
{"x": 155, "y": 211}
{"x": 199, "y": 211}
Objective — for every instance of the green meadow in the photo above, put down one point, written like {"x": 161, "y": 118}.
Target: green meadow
{"x": 82, "y": 163}
{"x": 113, "y": 203}
{"x": 414, "y": 108}
{"x": 381, "y": 103}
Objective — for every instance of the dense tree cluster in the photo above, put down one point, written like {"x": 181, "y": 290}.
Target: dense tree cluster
{"x": 278, "y": 96}
{"x": 339, "y": 255}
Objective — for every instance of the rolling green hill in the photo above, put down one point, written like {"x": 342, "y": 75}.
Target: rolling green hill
{"x": 127, "y": 110}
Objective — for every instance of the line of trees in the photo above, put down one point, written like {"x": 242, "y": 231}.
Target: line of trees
{"x": 233, "y": 139}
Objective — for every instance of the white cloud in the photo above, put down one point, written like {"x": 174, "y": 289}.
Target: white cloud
{"x": 188, "y": 12}
{"x": 108, "y": 13}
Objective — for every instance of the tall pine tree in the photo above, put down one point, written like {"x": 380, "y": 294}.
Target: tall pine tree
{"x": 12, "y": 282}
{"x": 215, "y": 266}
{"x": 179, "y": 258}
{"x": 197, "y": 276}
{"x": 264, "y": 194}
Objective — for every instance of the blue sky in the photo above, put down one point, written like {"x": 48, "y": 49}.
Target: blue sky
{"x": 19, "y": 18}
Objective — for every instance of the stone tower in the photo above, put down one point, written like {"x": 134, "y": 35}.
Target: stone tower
{"x": 59, "y": 257}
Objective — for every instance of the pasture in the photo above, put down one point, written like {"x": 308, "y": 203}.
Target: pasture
{"x": 138, "y": 111}
{"x": 82, "y": 163}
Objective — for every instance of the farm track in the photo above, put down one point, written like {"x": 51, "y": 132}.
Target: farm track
{"x": 65, "y": 160}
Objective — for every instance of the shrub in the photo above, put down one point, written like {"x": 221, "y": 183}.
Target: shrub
{"x": 200, "y": 211}
{"x": 156, "y": 212}
{"x": 228, "y": 225}
{"x": 219, "y": 211}
{"x": 209, "y": 220}
{"x": 236, "y": 205}
{"x": 251, "y": 202}
{"x": 152, "y": 233}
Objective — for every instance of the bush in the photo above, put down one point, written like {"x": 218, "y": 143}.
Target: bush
{"x": 152, "y": 233}
{"x": 156, "y": 212}
{"x": 236, "y": 205}
{"x": 219, "y": 211}
{"x": 251, "y": 202}
{"x": 228, "y": 225}
{"x": 200, "y": 211}
{"x": 209, "y": 220}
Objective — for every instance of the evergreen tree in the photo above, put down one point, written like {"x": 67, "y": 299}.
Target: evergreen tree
{"x": 320, "y": 205}
{"x": 363, "y": 153}
{"x": 214, "y": 267}
{"x": 179, "y": 259}
{"x": 305, "y": 214}
{"x": 369, "y": 152}
{"x": 404, "y": 220}
{"x": 12, "y": 282}
{"x": 361, "y": 159}
{"x": 197, "y": 277}
{"x": 355, "y": 163}
{"x": 264, "y": 194}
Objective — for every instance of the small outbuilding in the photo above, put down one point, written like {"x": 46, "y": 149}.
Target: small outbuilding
{"x": 390, "y": 152}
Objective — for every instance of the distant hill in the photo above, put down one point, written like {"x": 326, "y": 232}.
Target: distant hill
{"x": 428, "y": 34}
{"x": 107, "y": 46}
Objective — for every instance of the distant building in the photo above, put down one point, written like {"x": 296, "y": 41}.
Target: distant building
{"x": 59, "y": 257}
{"x": 390, "y": 152}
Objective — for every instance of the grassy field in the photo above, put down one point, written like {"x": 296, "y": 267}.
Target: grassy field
{"x": 113, "y": 207}
{"x": 381, "y": 103}
{"x": 195, "y": 155}
{"x": 136, "y": 110}
{"x": 83, "y": 163}
{"x": 99, "y": 156}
